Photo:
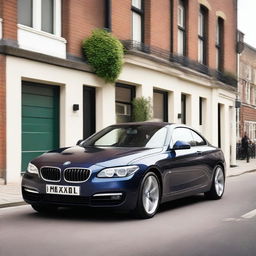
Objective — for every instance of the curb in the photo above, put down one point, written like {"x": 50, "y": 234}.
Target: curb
{"x": 239, "y": 174}
{"x": 12, "y": 204}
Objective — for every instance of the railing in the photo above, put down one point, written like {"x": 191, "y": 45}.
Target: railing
{"x": 240, "y": 153}
{"x": 182, "y": 60}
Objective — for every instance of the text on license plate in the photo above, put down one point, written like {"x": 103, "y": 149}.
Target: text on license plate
{"x": 63, "y": 190}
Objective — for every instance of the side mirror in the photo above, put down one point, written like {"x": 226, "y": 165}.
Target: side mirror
{"x": 181, "y": 145}
{"x": 78, "y": 143}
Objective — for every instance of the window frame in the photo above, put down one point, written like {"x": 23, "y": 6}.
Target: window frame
{"x": 133, "y": 95}
{"x": 220, "y": 44}
{"x": 165, "y": 103}
{"x": 191, "y": 132}
{"x": 141, "y": 13}
{"x": 183, "y": 108}
{"x": 182, "y": 28}
{"x": 203, "y": 35}
{"x": 37, "y": 18}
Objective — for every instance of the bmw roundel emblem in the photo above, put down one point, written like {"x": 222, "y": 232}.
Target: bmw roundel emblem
{"x": 67, "y": 163}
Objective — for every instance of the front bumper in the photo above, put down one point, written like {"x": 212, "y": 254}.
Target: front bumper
{"x": 118, "y": 193}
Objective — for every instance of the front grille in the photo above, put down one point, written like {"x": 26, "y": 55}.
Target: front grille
{"x": 76, "y": 174}
{"x": 50, "y": 173}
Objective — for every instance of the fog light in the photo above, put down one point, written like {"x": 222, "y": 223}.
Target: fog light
{"x": 109, "y": 196}
{"x": 116, "y": 197}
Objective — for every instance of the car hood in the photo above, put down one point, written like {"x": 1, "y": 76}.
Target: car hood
{"x": 86, "y": 157}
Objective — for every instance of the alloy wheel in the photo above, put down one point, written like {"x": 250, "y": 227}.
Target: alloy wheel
{"x": 150, "y": 194}
{"x": 219, "y": 181}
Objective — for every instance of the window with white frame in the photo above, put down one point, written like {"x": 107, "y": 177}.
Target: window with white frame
{"x": 44, "y": 15}
{"x": 25, "y": 10}
{"x": 247, "y": 92}
{"x": 202, "y": 36}
{"x": 39, "y": 27}
{"x": 182, "y": 28}
{"x": 137, "y": 20}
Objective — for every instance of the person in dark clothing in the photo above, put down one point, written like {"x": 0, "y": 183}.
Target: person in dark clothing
{"x": 245, "y": 146}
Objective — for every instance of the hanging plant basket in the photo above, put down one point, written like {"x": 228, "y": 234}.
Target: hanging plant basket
{"x": 105, "y": 54}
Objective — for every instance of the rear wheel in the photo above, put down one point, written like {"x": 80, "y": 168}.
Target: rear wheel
{"x": 149, "y": 196}
{"x": 218, "y": 184}
{"x": 45, "y": 209}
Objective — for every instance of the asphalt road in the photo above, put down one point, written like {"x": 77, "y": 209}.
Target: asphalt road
{"x": 192, "y": 226}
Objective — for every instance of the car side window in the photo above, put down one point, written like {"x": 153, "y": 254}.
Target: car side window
{"x": 198, "y": 140}
{"x": 182, "y": 134}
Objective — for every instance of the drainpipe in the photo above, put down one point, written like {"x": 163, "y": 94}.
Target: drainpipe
{"x": 107, "y": 15}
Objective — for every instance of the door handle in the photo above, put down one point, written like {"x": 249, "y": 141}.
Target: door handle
{"x": 199, "y": 153}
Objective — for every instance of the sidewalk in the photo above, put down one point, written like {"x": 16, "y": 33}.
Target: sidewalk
{"x": 10, "y": 195}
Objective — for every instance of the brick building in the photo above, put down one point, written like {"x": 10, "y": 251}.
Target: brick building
{"x": 180, "y": 53}
{"x": 247, "y": 92}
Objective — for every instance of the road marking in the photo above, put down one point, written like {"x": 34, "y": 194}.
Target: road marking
{"x": 249, "y": 215}
{"x": 231, "y": 219}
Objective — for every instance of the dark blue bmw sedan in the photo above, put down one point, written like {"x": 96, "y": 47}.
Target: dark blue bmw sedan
{"x": 133, "y": 167}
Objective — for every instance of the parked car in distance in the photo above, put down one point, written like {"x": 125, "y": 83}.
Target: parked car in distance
{"x": 132, "y": 166}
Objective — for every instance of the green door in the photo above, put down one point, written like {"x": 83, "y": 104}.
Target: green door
{"x": 40, "y": 120}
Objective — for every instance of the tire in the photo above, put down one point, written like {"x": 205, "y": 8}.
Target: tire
{"x": 218, "y": 184}
{"x": 149, "y": 197}
{"x": 44, "y": 209}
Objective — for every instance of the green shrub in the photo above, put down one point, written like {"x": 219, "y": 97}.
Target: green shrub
{"x": 141, "y": 109}
{"x": 105, "y": 54}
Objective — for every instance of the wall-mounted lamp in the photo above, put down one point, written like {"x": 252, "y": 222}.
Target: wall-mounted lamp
{"x": 75, "y": 107}
{"x": 237, "y": 103}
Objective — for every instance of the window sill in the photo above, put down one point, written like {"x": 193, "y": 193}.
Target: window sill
{"x": 40, "y": 41}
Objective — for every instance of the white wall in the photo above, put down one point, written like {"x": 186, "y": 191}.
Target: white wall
{"x": 71, "y": 92}
{"x": 36, "y": 40}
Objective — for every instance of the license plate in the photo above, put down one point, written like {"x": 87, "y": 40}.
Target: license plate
{"x": 63, "y": 190}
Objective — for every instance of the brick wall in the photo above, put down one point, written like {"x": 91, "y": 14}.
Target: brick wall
{"x": 2, "y": 117}
{"x": 247, "y": 113}
{"x": 8, "y": 11}
{"x": 79, "y": 19}
{"x": 122, "y": 19}
{"x": 157, "y": 26}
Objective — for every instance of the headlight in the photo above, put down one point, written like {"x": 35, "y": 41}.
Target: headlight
{"x": 118, "y": 172}
{"x": 32, "y": 168}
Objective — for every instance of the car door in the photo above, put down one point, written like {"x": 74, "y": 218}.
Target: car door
{"x": 182, "y": 167}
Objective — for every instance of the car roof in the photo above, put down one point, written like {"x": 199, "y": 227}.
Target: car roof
{"x": 146, "y": 123}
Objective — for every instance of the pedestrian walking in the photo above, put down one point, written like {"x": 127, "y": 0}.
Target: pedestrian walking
{"x": 245, "y": 146}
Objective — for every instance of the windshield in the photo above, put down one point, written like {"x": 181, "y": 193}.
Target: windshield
{"x": 148, "y": 136}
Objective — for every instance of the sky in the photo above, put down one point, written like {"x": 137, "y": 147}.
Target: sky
{"x": 247, "y": 20}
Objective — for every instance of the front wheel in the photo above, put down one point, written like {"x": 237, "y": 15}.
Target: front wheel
{"x": 149, "y": 196}
{"x": 218, "y": 184}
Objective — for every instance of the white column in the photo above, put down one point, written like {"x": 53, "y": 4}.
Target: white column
{"x": 71, "y": 122}
{"x": 233, "y": 136}
{"x": 175, "y": 107}
{"x": 225, "y": 133}
{"x": 211, "y": 124}
{"x": 146, "y": 91}
{"x": 105, "y": 106}
{"x": 13, "y": 125}
{"x": 193, "y": 111}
